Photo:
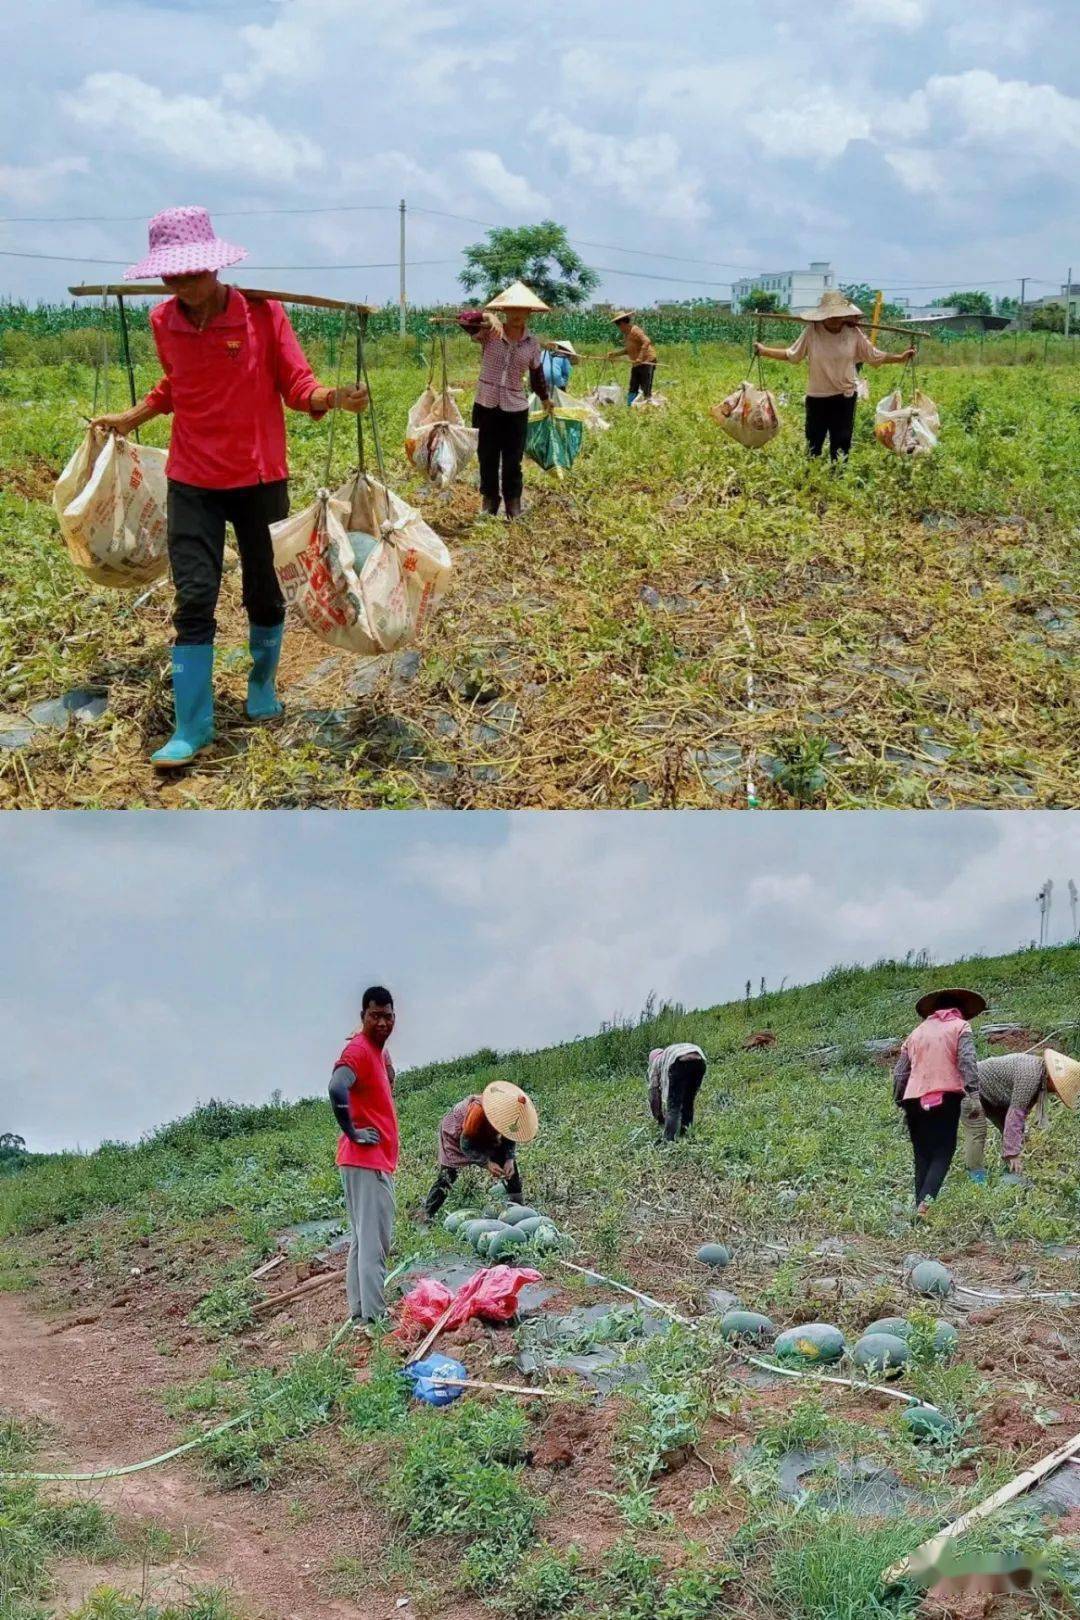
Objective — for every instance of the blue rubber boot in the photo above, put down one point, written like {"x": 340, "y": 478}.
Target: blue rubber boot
{"x": 264, "y": 643}
{"x": 978, "y": 1176}
{"x": 193, "y": 697}
{"x": 630, "y": 398}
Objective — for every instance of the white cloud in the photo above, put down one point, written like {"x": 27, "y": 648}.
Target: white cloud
{"x": 30, "y": 183}
{"x": 646, "y": 171}
{"x": 918, "y": 169}
{"x": 1035, "y": 123}
{"x": 908, "y": 14}
{"x": 200, "y": 133}
{"x": 344, "y": 45}
{"x": 817, "y": 125}
{"x": 510, "y": 191}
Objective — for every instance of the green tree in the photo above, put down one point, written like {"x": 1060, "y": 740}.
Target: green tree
{"x": 1007, "y": 306}
{"x": 12, "y": 1152}
{"x": 538, "y": 255}
{"x": 1048, "y": 318}
{"x": 967, "y": 303}
{"x": 861, "y": 293}
{"x": 760, "y": 301}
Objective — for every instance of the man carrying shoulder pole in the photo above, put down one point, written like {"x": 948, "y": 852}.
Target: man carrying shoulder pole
{"x": 362, "y": 1097}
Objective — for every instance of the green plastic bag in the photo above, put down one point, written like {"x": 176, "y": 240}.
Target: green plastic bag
{"x": 553, "y": 442}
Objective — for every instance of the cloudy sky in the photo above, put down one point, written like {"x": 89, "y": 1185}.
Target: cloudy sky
{"x": 150, "y": 961}
{"x": 917, "y": 144}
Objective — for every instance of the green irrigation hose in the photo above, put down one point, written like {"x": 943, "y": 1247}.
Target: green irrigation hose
{"x": 211, "y": 1434}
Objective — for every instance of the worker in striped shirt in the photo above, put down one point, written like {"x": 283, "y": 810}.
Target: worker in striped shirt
{"x": 1011, "y": 1087}
{"x": 501, "y": 407}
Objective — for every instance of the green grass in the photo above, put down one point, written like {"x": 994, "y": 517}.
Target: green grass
{"x": 36, "y": 1532}
{"x": 914, "y": 623}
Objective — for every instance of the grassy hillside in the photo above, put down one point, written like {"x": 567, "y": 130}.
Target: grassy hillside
{"x": 670, "y": 1503}
{"x": 821, "y": 1129}
{"x": 913, "y": 624}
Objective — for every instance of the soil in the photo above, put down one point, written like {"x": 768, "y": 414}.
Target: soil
{"x": 94, "y": 1388}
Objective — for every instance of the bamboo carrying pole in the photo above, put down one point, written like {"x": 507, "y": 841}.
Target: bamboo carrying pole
{"x": 926, "y": 1556}
{"x": 158, "y": 289}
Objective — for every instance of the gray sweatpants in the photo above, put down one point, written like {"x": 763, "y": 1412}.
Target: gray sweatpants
{"x": 369, "y": 1197}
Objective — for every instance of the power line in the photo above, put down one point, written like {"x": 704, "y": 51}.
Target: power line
{"x": 468, "y": 219}
{"x": 390, "y": 264}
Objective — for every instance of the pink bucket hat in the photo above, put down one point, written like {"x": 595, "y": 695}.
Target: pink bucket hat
{"x": 183, "y": 240}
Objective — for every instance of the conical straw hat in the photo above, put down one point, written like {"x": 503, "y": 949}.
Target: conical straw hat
{"x": 1065, "y": 1074}
{"x": 509, "y": 1111}
{"x": 518, "y": 296}
{"x": 833, "y": 307}
{"x": 969, "y": 1002}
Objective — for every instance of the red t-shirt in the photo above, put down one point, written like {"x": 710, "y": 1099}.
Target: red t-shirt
{"x": 371, "y": 1102}
{"x": 224, "y": 387}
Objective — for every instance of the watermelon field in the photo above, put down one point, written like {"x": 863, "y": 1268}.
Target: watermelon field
{"x": 646, "y": 1460}
{"x": 677, "y": 622}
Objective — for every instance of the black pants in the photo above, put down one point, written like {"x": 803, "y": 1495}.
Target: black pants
{"x": 684, "y": 1083}
{"x": 437, "y": 1197}
{"x": 933, "y": 1134}
{"x": 832, "y": 415}
{"x": 500, "y": 450}
{"x": 641, "y": 379}
{"x": 196, "y": 526}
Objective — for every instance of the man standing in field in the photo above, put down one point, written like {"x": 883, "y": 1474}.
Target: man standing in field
{"x": 638, "y": 349}
{"x": 229, "y": 362}
{"x": 362, "y": 1097}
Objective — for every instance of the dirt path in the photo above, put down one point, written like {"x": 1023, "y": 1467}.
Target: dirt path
{"x": 95, "y": 1387}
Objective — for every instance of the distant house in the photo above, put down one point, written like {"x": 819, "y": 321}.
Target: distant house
{"x": 943, "y": 318}
{"x": 1070, "y": 292}
{"x": 794, "y": 289}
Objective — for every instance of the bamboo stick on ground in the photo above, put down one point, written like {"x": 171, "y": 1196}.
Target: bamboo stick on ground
{"x": 310, "y": 1287}
{"x": 926, "y": 1556}
{"x": 482, "y": 1383}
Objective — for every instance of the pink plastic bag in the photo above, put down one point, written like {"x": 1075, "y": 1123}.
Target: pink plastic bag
{"x": 491, "y": 1294}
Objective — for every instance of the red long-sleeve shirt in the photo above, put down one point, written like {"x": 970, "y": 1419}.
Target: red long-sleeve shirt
{"x": 224, "y": 386}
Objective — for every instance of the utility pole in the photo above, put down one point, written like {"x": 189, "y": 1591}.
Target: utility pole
{"x": 401, "y": 270}
{"x": 1023, "y": 300}
{"x": 1068, "y": 305}
{"x": 1073, "y": 898}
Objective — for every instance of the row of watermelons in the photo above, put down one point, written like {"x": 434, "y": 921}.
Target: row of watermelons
{"x": 499, "y": 1236}
{"x": 883, "y": 1348}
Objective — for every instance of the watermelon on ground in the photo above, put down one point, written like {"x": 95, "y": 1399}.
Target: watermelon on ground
{"x": 811, "y": 1342}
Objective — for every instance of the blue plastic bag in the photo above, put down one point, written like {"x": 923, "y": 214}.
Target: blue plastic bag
{"x": 422, "y": 1375}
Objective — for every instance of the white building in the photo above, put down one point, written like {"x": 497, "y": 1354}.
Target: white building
{"x": 794, "y": 289}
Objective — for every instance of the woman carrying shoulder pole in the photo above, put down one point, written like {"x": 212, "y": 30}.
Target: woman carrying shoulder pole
{"x": 833, "y": 344}
{"x": 501, "y": 411}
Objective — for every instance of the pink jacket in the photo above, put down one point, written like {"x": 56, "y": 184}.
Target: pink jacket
{"x": 932, "y": 1049}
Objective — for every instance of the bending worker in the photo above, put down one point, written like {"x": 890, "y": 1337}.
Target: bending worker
{"x": 935, "y": 1070}
{"x": 638, "y": 349}
{"x": 482, "y": 1133}
{"x": 1010, "y": 1088}
{"x": 362, "y": 1097}
{"x": 558, "y": 359}
{"x": 501, "y": 408}
{"x": 675, "y": 1076}
{"x": 832, "y": 343}
{"x": 228, "y": 361}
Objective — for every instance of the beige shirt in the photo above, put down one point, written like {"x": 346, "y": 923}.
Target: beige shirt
{"x": 639, "y": 348}
{"x": 832, "y": 357}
